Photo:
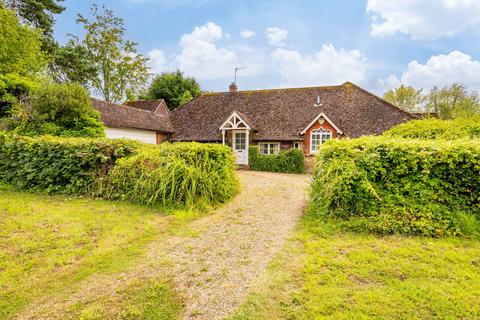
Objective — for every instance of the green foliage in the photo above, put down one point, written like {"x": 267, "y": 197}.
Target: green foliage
{"x": 20, "y": 46}
{"x": 453, "y": 102}
{"x": 72, "y": 64}
{"x": 406, "y": 98}
{"x": 174, "y": 88}
{"x": 59, "y": 165}
{"x": 118, "y": 64}
{"x": 12, "y": 88}
{"x": 403, "y": 186}
{"x": 437, "y": 129}
{"x": 61, "y": 110}
{"x": 290, "y": 161}
{"x": 448, "y": 103}
{"x": 175, "y": 174}
{"x": 39, "y": 13}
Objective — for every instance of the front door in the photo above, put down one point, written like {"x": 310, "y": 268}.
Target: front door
{"x": 240, "y": 146}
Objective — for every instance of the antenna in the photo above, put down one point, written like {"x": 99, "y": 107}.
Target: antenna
{"x": 236, "y": 69}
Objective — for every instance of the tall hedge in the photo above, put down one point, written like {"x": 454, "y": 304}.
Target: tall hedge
{"x": 289, "y": 161}
{"x": 385, "y": 185}
{"x": 437, "y": 129}
{"x": 173, "y": 174}
{"x": 59, "y": 165}
{"x": 169, "y": 174}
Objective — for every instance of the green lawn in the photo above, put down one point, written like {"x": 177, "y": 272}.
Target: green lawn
{"x": 49, "y": 243}
{"x": 325, "y": 273}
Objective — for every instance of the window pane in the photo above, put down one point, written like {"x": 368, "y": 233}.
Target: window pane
{"x": 263, "y": 148}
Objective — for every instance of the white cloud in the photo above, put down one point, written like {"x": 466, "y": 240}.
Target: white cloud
{"x": 327, "y": 66}
{"x": 423, "y": 19}
{"x": 441, "y": 70}
{"x": 200, "y": 56}
{"x": 276, "y": 36}
{"x": 157, "y": 61}
{"x": 247, "y": 34}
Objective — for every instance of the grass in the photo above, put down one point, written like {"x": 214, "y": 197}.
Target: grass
{"x": 49, "y": 243}
{"x": 326, "y": 273}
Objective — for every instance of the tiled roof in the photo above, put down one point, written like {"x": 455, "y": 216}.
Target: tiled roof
{"x": 281, "y": 114}
{"x": 138, "y": 117}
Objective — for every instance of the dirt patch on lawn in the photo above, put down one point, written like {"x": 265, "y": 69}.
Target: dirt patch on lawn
{"x": 214, "y": 268}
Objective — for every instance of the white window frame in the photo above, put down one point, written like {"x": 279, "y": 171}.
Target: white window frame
{"x": 299, "y": 145}
{"x": 270, "y": 150}
{"x": 321, "y": 132}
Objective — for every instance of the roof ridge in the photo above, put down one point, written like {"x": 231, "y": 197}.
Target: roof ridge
{"x": 276, "y": 89}
{"x": 147, "y": 100}
{"x": 127, "y": 107}
{"x": 378, "y": 97}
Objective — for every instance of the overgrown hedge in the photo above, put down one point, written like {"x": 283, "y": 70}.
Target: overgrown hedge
{"x": 385, "y": 185}
{"x": 172, "y": 174}
{"x": 289, "y": 161}
{"x": 59, "y": 165}
{"x": 437, "y": 129}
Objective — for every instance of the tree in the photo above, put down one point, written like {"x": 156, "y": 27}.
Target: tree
{"x": 61, "y": 109}
{"x": 21, "y": 60}
{"x": 118, "y": 65}
{"x": 174, "y": 88}
{"x": 20, "y": 46}
{"x": 72, "y": 64}
{"x": 406, "y": 98}
{"x": 38, "y": 13}
{"x": 453, "y": 102}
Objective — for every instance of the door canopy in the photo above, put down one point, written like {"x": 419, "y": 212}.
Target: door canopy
{"x": 235, "y": 122}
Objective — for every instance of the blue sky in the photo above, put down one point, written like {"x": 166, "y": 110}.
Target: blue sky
{"x": 377, "y": 44}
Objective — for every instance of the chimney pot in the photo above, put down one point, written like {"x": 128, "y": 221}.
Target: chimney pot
{"x": 233, "y": 87}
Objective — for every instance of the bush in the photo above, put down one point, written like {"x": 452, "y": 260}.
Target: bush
{"x": 182, "y": 174}
{"x": 437, "y": 129}
{"x": 59, "y": 109}
{"x": 176, "y": 174}
{"x": 59, "y": 165}
{"x": 402, "y": 186}
{"x": 291, "y": 161}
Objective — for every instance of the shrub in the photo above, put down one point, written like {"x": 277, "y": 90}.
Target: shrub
{"x": 290, "y": 161}
{"x": 59, "y": 109}
{"x": 176, "y": 174}
{"x": 387, "y": 185}
{"x": 59, "y": 165}
{"x": 437, "y": 129}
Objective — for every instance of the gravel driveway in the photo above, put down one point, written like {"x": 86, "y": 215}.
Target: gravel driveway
{"x": 216, "y": 268}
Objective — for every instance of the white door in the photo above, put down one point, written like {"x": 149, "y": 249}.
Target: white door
{"x": 240, "y": 146}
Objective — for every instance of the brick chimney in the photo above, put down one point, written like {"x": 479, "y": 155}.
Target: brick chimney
{"x": 233, "y": 87}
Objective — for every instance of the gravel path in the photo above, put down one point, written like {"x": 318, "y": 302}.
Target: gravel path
{"x": 214, "y": 271}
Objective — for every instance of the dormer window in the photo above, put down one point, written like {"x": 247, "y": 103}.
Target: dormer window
{"x": 318, "y": 102}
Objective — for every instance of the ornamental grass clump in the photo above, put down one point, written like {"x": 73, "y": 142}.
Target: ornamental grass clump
{"x": 180, "y": 174}
{"x": 399, "y": 186}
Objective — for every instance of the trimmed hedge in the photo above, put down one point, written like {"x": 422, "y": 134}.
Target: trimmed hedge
{"x": 173, "y": 174}
{"x": 290, "y": 161}
{"x": 384, "y": 185}
{"x": 437, "y": 129}
{"x": 59, "y": 165}
{"x": 181, "y": 174}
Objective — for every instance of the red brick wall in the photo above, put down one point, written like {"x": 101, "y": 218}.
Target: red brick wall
{"x": 315, "y": 126}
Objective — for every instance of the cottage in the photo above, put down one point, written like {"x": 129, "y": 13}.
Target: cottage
{"x": 147, "y": 121}
{"x": 273, "y": 120}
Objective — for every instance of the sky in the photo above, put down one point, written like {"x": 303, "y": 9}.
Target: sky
{"x": 377, "y": 44}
